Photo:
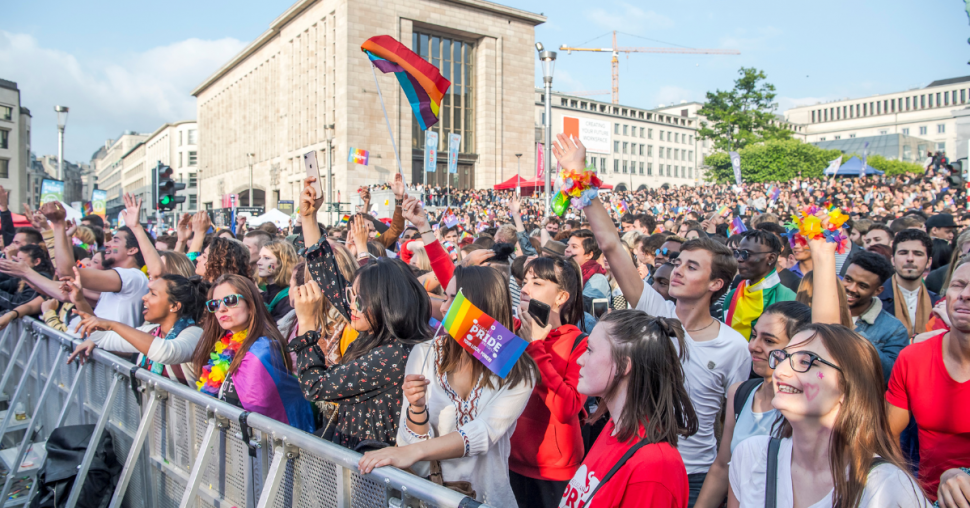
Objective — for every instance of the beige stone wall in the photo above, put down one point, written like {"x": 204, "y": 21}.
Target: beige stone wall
{"x": 307, "y": 71}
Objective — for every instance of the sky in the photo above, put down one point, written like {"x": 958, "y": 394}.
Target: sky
{"x": 132, "y": 65}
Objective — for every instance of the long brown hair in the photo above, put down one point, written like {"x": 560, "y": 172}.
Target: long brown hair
{"x": 657, "y": 397}
{"x": 569, "y": 279}
{"x": 861, "y": 429}
{"x": 226, "y": 257}
{"x": 261, "y": 324}
{"x": 488, "y": 290}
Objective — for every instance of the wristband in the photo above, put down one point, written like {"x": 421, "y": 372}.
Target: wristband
{"x": 18, "y": 313}
{"x": 425, "y": 232}
{"x": 398, "y": 202}
{"x": 425, "y": 422}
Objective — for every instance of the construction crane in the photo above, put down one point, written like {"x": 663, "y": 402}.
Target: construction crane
{"x": 592, "y": 93}
{"x": 616, "y": 50}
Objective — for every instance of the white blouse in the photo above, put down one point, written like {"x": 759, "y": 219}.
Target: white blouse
{"x": 169, "y": 352}
{"x": 486, "y": 421}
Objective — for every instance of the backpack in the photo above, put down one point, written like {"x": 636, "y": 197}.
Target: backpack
{"x": 65, "y": 451}
{"x": 742, "y": 394}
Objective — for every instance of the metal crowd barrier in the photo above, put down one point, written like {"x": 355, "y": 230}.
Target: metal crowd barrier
{"x": 180, "y": 448}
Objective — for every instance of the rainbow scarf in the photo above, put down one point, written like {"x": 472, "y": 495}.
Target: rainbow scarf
{"x": 747, "y": 303}
{"x": 423, "y": 84}
{"x": 214, "y": 373}
{"x": 483, "y": 337}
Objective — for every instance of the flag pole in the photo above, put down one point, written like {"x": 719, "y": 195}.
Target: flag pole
{"x": 400, "y": 168}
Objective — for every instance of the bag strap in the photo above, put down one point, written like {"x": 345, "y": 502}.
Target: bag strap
{"x": 579, "y": 338}
{"x": 771, "y": 482}
{"x": 626, "y": 456}
{"x": 742, "y": 394}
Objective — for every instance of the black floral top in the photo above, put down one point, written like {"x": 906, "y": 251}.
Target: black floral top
{"x": 368, "y": 389}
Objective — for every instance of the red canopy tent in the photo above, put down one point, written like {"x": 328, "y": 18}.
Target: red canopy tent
{"x": 511, "y": 183}
{"x": 20, "y": 221}
{"x": 529, "y": 186}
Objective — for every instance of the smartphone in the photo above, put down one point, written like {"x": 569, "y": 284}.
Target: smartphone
{"x": 600, "y": 305}
{"x": 310, "y": 162}
{"x": 539, "y": 312}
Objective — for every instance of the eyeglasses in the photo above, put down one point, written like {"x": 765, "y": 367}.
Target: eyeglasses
{"x": 231, "y": 301}
{"x": 353, "y": 299}
{"x": 801, "y": 361}
{"x": 670, "y": 254}
{"x": 744, "y": 254}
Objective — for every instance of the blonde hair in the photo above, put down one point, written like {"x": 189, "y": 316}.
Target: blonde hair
{"x": 85, "y": 234}
{"x": 420, "y": 259}
{"x": 284, "y": 252}
{"x": 177, "y": 263}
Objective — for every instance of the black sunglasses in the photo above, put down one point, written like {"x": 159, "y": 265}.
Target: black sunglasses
{"x": 229, "y": 300}
{"x": 801, "y": 361}
{"x": 671, "y": 254}
{"x": 744, "y": 254}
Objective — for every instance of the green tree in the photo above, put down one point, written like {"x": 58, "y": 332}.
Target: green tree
{"x": 742, "y": 116}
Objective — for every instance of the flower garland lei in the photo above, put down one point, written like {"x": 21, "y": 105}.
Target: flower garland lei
{"x": 806, "y": 226}
{"x": 214, "y": 372}
{"x": 575, "y": 187}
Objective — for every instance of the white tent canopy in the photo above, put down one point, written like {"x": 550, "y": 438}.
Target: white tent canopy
{"x": 280, "y": 219}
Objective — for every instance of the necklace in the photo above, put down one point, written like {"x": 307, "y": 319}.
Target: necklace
{"x": 214, "y": 372}
{"x": 703, "y": 327}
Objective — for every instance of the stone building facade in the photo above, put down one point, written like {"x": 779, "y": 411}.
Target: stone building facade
{"x": 277, "y": 97}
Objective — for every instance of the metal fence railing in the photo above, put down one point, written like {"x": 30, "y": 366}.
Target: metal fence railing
{"x": 179, "y": 447}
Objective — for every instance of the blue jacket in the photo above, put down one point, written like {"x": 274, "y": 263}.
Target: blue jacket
{"x": 889, "y": 299}
{"x": 887, "y": 333}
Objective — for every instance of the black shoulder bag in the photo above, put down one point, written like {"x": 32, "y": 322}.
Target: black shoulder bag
{"x": 616, "y": 467}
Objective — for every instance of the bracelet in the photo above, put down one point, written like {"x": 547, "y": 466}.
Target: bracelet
{"x": 18, "y": 313}
{"x": 425, "y": 422}
{"x": 418, "y": 412}
{"x": 425, "y": 232}
{"x": 398, "y": 202}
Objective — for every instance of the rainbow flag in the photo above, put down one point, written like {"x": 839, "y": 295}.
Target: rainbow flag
{"x": 358, "y": 156}
{"x": 736, "y": 226}
{"x": 483, "y": 337}
{"x": 344, "y": 220}
{"x": 723, "y": 211}
{"x": 423, "y": 84}
{"x": 747, "y": 302}
{"x": 464, "y": 234}
{"x": 621, "y": 208}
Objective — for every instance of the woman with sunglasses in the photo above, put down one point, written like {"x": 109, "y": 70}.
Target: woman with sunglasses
{"x": 174, "y": 306}
{"x": 455, "y": 410}
{"x": 241, "y": 356}
{"x": 834, "y": 446}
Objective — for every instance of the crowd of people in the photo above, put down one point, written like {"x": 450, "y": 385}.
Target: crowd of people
{"x": 692, "y": 353}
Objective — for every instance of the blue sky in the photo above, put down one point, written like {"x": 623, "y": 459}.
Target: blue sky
{"x": 130, "y": 66}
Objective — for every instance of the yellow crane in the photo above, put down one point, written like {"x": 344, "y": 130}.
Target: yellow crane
{"x": 616, "y": 50}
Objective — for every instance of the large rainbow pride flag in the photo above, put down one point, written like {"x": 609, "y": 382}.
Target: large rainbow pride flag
{"x": 423, "y": 84}
{"x": 483, "y": 337}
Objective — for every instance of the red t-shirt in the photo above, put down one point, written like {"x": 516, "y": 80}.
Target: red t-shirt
{"x": 941, "y": 406}
{"x": 654, "y": 476}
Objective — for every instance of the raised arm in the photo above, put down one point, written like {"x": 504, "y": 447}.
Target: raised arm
{"x": 440, "y": 261}
{"x": 63, "y": 251}
{"x": 309, "y": 204}
{"x": 200, "y": 225}
{"x": 572, "y": 155}
{"x": 182, "y": 232}
{"x": 397, "y": 222}
{"x": 825, "y": 307}
{"x": 152, "y": 260}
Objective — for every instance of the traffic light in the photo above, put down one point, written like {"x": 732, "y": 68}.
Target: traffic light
{"x": 166, "y": 188}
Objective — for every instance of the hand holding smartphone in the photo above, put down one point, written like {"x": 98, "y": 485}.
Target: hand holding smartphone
{"x": 310, "y": 162}
{"x": 539, "y": 312}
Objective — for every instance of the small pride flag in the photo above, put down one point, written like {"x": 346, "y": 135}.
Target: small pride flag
{"x": 358, "y": 156}
{"x": 736, "y": 226}
{"x": 344, "y": 220}
{"x": 723, "y": 211}
{"x": 621, "y": 208}
{"x": 483, "y": 337}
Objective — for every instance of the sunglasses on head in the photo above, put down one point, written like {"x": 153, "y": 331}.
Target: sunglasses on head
{"x": 230, "y": 301}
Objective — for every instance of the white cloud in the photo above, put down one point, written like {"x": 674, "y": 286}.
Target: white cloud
{"x": 671, "y": 95}
{"x": 628, "y": 18}
{"x": 133, "y": 91}
{"x": 760, "y": 39}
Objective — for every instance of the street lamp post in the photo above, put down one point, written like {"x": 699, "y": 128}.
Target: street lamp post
{"x": 61, "y": 122}
{"x": 250, "y": 157}
{"x": 518, "y": 175}
{"x": 548, "y": 66}
{"x": 330, "y": 134}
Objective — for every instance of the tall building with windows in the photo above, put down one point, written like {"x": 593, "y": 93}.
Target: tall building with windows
{"x": 14, "y": 143}
{"x": 926, "y": 113}
{"x": 631, "y": 148}
{"x": 278, "y": 98}
{"x": 175, "y": 145}
{"x": 108, "y": 164}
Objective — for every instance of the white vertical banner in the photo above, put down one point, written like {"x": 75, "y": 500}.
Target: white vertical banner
{"x": 454, "y": 144}
{"x": 736, "y": 165}
{"x": 430, "y": 151}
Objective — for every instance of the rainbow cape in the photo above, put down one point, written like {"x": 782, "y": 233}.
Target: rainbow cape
{"x": 422, "y": 83}
{"x": 483, "y": 337}
{"x": 747, "y": 303}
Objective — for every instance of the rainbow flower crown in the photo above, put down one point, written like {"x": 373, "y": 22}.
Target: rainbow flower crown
{"x": 576, "y": 188}
{"x": 806, "y": 226}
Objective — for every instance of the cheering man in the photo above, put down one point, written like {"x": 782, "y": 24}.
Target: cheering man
{"x": 757, "y": 254}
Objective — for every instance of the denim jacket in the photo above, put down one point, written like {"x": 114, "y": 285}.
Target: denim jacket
{"x": 885, "y": 332}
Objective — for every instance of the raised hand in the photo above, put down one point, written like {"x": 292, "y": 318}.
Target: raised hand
{"x": 132, "y": 211}
{"x": 307, "y": 305}
{"x": 415, "y": 213}
{"x": 91, "y": 323}
{"x": 14, "y": 268}
{"x": 183, "y": 228}
{"x": 309, "y": 201}
{"x": 201, "y": 223}
{"x": 359, "y": 234}
{"x": 514, "y": 206}
{"x": 54, "y": 212}
{"x": 570, "y": 152}
{"x": 364, "y": 193}
{"x": 477, "y": 257}
{"x": 4, "y": 199}
{"x": 397, "y": 186}
{"x": 72, "y": 228}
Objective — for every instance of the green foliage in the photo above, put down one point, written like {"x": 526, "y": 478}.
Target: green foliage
{"x": 772, "y": 161}
{"x": 742, "y": 116}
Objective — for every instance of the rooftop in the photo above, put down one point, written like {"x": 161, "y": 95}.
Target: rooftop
{"x": 949, "y": 81}
{"x": 8, "y": 84}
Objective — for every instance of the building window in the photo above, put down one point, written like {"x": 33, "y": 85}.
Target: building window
{"x": 193, "y": 135}
{"x": 941, "y": 128}
{"x": 193, "y": 201}
{"x": 668, "y": 153}
{"x": 676, "y": 137}
{"x": 624, "y": 167}
{"x": 642, "y": 147}
{"x": 946, "y": 98}
{"x": 920, "y": 150}
{"x": 907, "y": 153}
{"x": 455, "y": 60}
{"x": 851, "y": 136}
{"x": 660, "y": 152}
{"x": 941, "y": 147}
{"x": 907, "y": 103}
{"x": 905, "y": 131}
{"x": 922, "y": 130}
{"x": 4, "y": 138}
{"x": 668, "y": 169}
{"x": 883, "y": 132}
{"x": 4, "y": 168}
{"x": 649, "y": 169}
{"x": 641, "y": 128}
{"x": 193, "y": 180}
{"x": 641, "y": 168}
{"x": 616, "y": 147}
{"x": 180, "y": 138}
{"x": 625, "y": 146}
{"x": 602, "y": 164}
{"x": 937, "y": 99}
{"x": 690, "y": 156}
{"x": 180, "y": 159}
{"x": 676, "y": 154}
{"x": 616, "y": 165}
{"x": 193, "y": 158}
{"x": 649, "y": 133}
{"x": 649, "y": 150}
{"x": 676, "y": 171}
{"x": 625, "y": 128}
{"x": 6, "y": 113}
{"x": 690, "y": 172}
{"x": 821, "y": 138}
{"x": 616, "y": 128}
{"x": 922, "y": 102}
{"x": 963, "y": 97}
